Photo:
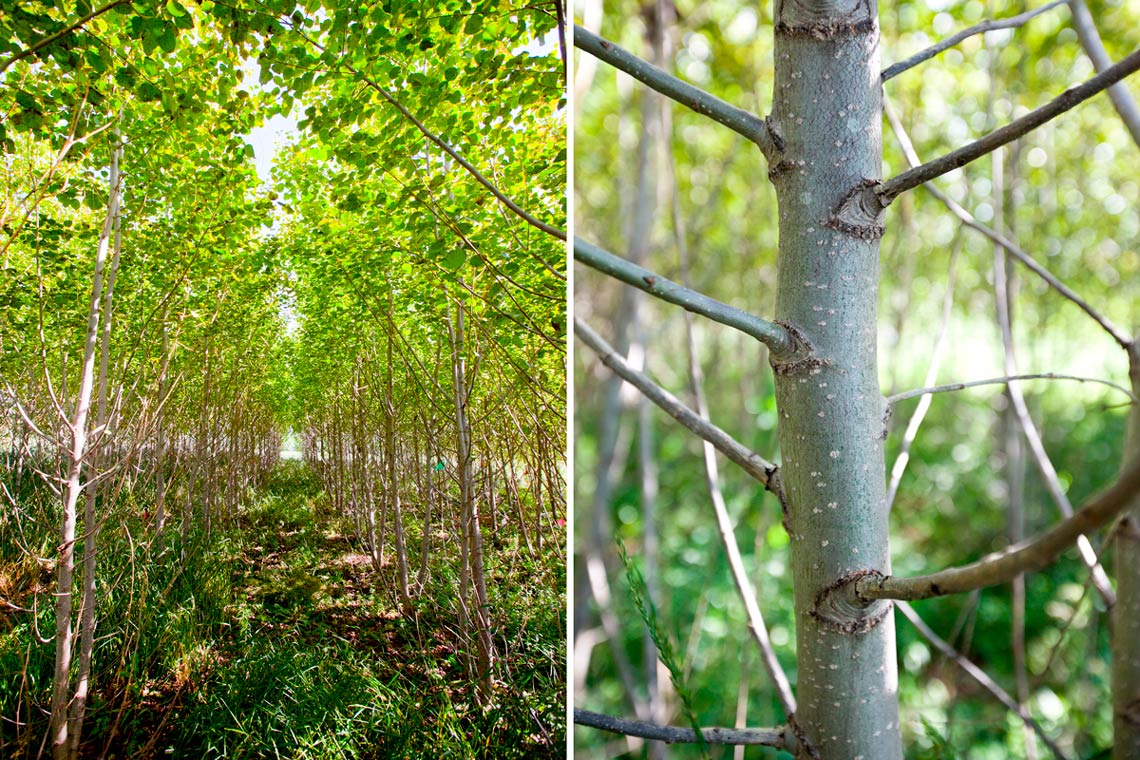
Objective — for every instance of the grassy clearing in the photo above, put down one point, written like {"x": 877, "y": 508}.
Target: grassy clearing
{"x": 281, "y": 641}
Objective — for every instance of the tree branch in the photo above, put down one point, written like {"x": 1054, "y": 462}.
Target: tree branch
{"x": 443, "y": 145}
{"x": 761, "y": 470}
{"x": 977, "y": 674}
{"x": 1001, "y": 567}
{"x": 1002, "y": 381}
{"x": 1123, "y": 339}
{"x": 775, "y": 337}
{"x": 1011, "y": 22}
{"x": 1123, "y": 101}
{"x": 60, "y": 34}
{"x": 892, "y": 188}
{"x": 780, "y": 737}
{"x": 737, "y": 119}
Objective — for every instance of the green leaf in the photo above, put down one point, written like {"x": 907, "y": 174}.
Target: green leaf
{"x": 168, "y": 40}
{"x": 148, "y": 93}
{"x": 455, "y": 259}
{"x": 175, "y": 9}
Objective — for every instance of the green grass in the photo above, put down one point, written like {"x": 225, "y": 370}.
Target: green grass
{"x": 271, "y": 642}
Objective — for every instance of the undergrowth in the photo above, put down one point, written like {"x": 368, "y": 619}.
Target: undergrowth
{"x": 275, "y": 638}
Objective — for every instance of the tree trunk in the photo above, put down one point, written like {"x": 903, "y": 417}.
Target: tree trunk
{"x": 828, "y": 111}
{"x": 90, "y": 519}
{"x": 65, "y": 569}
{"x": 1126, "y": 613}
{"x": 472, "y": 539}
{"x": 394, "y": 482}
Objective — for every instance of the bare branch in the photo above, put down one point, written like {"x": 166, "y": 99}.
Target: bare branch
{"x": 775, "y": 337}
{"x": 911, "y": 432}
{"x": 978, "y": 675}
{"x": 887, "y": 191}
{"x": 1121, "y": 98}
{"x": 752, "y": 463}
{"x": 1003, "y": 381}
{"x": 1123, "y": 339}
{"x": 1012, "y": 22}
{"x": 60, "y": 34}
{"x": 1040, "y": 456}
{"x": 780, "y": 737}
{"x": 1003, "y": 566}
{"x": 737, "y": 119}
{"x": 724, "y": 522}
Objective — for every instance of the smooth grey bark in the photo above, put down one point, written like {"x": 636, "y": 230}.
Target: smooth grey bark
{"x": 393, "y": 470}
{"x": 472, "y": 573}
{"x": 65, "y": 569}
{"x": 828, "y": 110}
{"x": 90, "y": 518}
{"x": 1126, "y": 613}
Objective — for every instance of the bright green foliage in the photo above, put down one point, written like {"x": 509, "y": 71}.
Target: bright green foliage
{"x": 246, "y": 313}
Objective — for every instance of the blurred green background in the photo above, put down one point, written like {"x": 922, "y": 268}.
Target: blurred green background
{"x": 1071, "y": 198}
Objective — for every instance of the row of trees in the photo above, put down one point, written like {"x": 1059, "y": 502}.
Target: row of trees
{"x": 150, "y": 304}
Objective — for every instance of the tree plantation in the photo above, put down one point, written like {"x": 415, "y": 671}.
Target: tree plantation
{"x": 283, "y": 457}
{"x": 922, "y": 544}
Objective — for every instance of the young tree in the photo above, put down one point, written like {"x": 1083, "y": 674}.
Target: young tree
{"x": 822, "y": 144}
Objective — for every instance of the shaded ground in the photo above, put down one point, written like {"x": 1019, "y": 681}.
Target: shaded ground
{"x": 283, "y": 641}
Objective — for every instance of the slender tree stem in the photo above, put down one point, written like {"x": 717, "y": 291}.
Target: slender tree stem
{"x": 1003, "y": 381}
{"x": 763, "y": 471}
{"x": 1003, "y": 566}
{"x": 988, "y": 25}
{"x": 737, "y": 119}
{"x": 892, "y": 188}
{"x": 772, "y": 335}
{"x": 780, "y": 737}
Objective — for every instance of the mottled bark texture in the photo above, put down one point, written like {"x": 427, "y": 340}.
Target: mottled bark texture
{"x": 827, "y": 119}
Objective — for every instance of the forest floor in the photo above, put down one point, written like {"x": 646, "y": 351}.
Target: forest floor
{"x": 289, "y": 645}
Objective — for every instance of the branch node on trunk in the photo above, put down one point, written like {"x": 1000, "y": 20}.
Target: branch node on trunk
{"x": 801, "y": 359}
{"x": 1128, "y": 528}
{"x": 775, "y": 133}
{"x": 860, "y": 213}
{"x": 776, "y": 486}
{"x": 824, "y": 19}
{"x": 840, "y": 607}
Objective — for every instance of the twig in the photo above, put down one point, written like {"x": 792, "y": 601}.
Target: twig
{"x": 775, "y": 337}
{"x": 752, "y": 463}
{"x": 737, "y": 119}
{"x": 1011, "y": 22}
{"x": 978, "y": 675}
{"x": 780, "y": 738}
{"x": 1003, "y": 566}
{"x": 1004, "y": 381}
{"x": 1123, "y": 339}
{"x": 892, "y": 188}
